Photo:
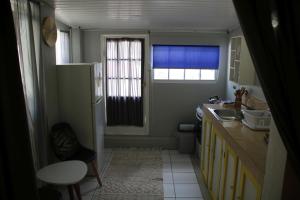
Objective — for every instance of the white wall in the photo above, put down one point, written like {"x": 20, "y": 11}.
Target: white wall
{"x": 90, "y": 41}
{"x": 49, "y": 62}
{"x": 91, "y": 46}
{"x": 62, "y": 26}
{"x": 275, "y": 166}
{"x": 51, "y": 100}
{"x": 76, "y": 47}
{"x": 50, "y": 82}
{"x": 170, "y": 103}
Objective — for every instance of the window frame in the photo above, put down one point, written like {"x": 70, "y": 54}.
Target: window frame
{"x": 68, "y": 32}
{"x": 183, "y": 80}
{"x": 142, "y": 60}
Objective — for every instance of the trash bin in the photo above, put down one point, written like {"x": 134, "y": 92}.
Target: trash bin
{"x": 186, "y": 143}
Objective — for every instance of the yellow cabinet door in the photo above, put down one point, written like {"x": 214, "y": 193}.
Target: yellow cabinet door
{"x": 205, "y": 147}
{"x": 215, "y": 165}
{"x": 249, "y": 188}
{"x": 229, "y": 174}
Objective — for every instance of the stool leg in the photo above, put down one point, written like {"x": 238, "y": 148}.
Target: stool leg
{"x": 77, "y": 190}
{"x": 70, "y": 189}
{"x": 96, "y": 172}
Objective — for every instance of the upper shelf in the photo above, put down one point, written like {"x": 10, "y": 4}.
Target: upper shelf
{"x": 241, "y": 65}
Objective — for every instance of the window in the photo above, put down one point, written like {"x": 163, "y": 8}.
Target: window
{"x": 62, "y": 47}
{"x": 185, "y": 62}
{"x": 124, "y": 63}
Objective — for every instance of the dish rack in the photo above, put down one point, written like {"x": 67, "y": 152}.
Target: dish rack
{"x": 257, "y": 119}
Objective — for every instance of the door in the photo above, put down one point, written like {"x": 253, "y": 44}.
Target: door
{"x": 215, "y": 165}
{"x": 126, "y": 94}
{"x": 249, "y": 188}
{"x": 229, "y": 174}
{"x": 206, "y": 134}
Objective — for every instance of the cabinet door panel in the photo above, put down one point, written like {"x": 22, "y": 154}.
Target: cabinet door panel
{"x": 222, "y": 178}
{"x": 249, "y": 189}
{"x": 230, "y": 166}
{"x": 203, "y": 136}
{"x": 206, "y": 137}
{"x": 211, "y": 158}
{"x": 215, "y": 164}
{"x": 238, "y": 181}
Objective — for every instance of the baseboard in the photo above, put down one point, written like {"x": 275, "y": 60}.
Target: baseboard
{"x": 140, "y": 141}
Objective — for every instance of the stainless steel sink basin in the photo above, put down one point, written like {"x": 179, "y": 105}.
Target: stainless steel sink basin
{"x": 225, "y": 114}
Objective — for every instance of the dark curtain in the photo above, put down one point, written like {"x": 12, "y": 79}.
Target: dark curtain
{"x": 125, "y": 111}
{"x": 124, "y": 75}
{"x": 291, "y": 183}
{"x": 17, "y": 175}
{"x": 272, "y": 32}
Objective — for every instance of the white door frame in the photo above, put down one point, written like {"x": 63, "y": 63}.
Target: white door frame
{"x": 130, "y": 130}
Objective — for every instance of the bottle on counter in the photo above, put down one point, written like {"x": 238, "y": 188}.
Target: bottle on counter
{"x": 238, "y": 98}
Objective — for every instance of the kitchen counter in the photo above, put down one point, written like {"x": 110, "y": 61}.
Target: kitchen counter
{"x": 248, "y": 144}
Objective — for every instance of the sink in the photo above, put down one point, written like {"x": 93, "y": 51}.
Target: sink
{"x": 225, "y": 114}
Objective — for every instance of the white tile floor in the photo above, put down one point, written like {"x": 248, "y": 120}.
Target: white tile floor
{"x": 179, "y": 179}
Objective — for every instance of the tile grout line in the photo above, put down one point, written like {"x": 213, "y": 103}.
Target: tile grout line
{"x": 172, "y": 174}
{"x": 194, "y": 172}
{"x": 106, "y": 165}
{"x": 170, "y": 160}
{"x": 169, "y": 157}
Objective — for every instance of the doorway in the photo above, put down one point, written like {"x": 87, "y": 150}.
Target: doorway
{"x": 126, "y": 94}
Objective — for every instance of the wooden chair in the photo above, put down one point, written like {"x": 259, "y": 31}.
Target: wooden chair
{"x": 67, "y": 147}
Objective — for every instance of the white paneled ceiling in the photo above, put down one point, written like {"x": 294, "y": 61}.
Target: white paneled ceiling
{"x": 207, "y": 15}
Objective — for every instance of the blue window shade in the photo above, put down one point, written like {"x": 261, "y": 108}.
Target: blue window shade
{"x": 186, "y": 56}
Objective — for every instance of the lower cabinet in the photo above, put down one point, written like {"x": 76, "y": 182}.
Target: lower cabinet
{"x": 249, "y": 188}
{"x": 215, "y": 164}
{"x": 224, "y": 174}
{"x": 229, "y": 174}
{"x": 205, "y": 147}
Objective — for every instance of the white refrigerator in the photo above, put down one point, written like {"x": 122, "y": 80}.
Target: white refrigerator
{"x": 81, "y": 104}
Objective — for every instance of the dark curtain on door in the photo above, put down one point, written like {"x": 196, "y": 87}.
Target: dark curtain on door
{"x": 272, "y": 32}
{"x": 17, "y": 175}
{"x": 124, "y": 75}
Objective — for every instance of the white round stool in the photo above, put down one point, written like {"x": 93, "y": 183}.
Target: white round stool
{"x": 67, "y": 173}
